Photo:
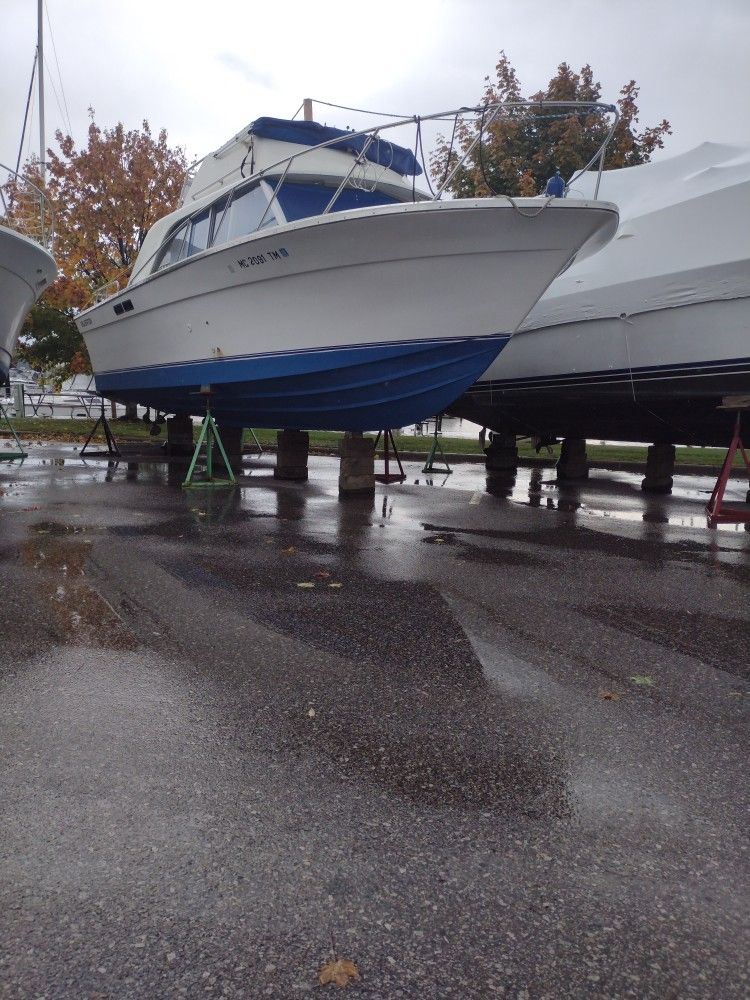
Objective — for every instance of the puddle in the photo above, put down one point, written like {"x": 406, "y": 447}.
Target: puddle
{"x": 77, "y": 613}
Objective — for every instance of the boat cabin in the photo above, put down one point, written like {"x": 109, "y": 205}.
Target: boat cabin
{"x": 272, "y": 173}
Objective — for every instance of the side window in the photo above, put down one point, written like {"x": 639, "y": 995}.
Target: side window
{"x": 199, "y": 230}
{"x": 175, "y": 249}
{"x": 243, "y": 215}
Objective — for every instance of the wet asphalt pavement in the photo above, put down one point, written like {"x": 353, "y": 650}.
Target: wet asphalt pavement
{"x": 495, "y": 745}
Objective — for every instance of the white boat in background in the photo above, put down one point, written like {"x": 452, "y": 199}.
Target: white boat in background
{"x": 26, "y": 233}
{"x": 26, "y": 269}
{"x": 311, "y": 284}
{"x": 644, "y": 340}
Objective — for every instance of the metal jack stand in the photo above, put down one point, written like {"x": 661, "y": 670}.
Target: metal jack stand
{"x": 729, "y": 513}
{"x": 257, "y": 442}
{"x": 209, "y": 435}
{"x": 112, "y": 450}
{"x": 429, "y": 465}
{"x": 387, "y": 476}
{"x": 11, "y": 454}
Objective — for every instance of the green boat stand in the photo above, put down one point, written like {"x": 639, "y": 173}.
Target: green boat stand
{"x": 10, "y": 455}
{"x": 209, "y": 436}
{"x": 429, "y": 465}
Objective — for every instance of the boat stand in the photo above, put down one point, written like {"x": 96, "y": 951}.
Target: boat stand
{"x": 209, "y": 436}
{"x": 717, "y": 510}
{"x": 387, "y": 476}
{"x": 429, "y": 465}
{"x": 257, "y": 442}
{"x": 112, "y": 450}
{"x": 10, "y": 455}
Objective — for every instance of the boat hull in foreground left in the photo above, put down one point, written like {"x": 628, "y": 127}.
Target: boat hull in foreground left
{"x": 26, "y": 269}
{"x": 350, "y": 321}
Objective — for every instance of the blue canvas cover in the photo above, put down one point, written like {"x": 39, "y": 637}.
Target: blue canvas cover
{"x": 301, "y": 201}
{"x": 387, "y": 154}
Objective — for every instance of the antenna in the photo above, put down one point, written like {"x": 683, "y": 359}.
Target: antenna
{"x": 40, "y": 70}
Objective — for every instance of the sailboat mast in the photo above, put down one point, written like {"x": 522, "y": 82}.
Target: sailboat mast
{"x": 40, "y": 71}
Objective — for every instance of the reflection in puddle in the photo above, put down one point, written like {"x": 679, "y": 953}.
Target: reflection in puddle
{"x": 78, "y": 614}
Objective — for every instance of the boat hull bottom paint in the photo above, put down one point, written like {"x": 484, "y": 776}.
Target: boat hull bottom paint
{"x": 356, "y": 388}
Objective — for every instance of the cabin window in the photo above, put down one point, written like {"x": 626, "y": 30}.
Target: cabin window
{"x": 199, "y": 231}
{"x": 301, "y": 201}
{"x": 175, "y": 249}
{"x": 243, "y": 215}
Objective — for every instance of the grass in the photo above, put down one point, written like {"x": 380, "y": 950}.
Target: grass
{"x": 33, "y": 429}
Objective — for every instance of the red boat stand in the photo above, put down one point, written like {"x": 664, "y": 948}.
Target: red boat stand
{"x": 717, "y": 510}
{"x": 387, "y": 476}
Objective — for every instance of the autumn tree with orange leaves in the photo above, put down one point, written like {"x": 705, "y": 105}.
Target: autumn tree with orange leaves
{"x": 106, "y": 196}
{"x": 522, "y": 148}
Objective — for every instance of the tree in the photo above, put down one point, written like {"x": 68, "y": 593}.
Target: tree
{"x": 105, "y": 196}
{"x": 51, "y": 343}
{"x": 520, "y": 150}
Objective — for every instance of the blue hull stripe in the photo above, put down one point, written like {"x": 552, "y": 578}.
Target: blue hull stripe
{"x": 350, "y": 388}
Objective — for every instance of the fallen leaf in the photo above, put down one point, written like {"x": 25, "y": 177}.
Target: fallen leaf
{"x": 335, "y": 586}
{"x": 609, "y": 696}
{"x": 288, "y": 552}
{"x": 307, "y": 585}
{"x": 643, "y": 680}
{"x": 322, "y": 575}
{"x": 311, "y": 713}
{"x": 341, "y": 972}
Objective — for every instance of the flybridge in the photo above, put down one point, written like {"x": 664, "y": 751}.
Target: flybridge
{"x": 387, "y": 154}
{"x": 269, "y": 140}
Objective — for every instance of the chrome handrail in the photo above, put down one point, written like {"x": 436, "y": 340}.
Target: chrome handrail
{"x": 46, "y": 237}
{"x": 417, "y": 120}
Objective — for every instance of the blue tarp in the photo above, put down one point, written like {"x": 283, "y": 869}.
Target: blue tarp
{"x": 387, "y": 154}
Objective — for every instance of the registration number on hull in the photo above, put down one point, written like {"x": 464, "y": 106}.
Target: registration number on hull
{"x": 262, "y": 258}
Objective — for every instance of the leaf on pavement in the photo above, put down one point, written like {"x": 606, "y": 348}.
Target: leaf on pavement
{"x": 335, "y": 586}
{"x": 643, "y": 680}
{"x": 341, "y": 972}
{"x": 288, "y": 552}
{"x": 306, "y": 585}
{"x": 609, "y": 695}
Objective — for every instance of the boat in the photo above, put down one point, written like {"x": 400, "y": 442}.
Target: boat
{"x": 306, "y": 281}
{"x": 27, "y": 266}
{"x": 643, "y": 341}
{"x": 26, "y": 269}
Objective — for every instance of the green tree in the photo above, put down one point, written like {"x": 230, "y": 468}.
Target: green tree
{"x": 520, "y": 150}
{"x": 51, "y": 343}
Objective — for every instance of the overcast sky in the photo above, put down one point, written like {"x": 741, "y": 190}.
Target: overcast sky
{"x": 205, "y": 69}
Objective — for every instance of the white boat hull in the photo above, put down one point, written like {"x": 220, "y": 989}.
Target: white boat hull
{"x": 643, "y": 341}
{"x": 656, "y": 376}
{"x": 26, "y": 269}
{"x": 353, "y": 321}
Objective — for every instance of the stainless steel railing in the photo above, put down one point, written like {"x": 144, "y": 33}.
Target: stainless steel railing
{"x": 26, "y": 208}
